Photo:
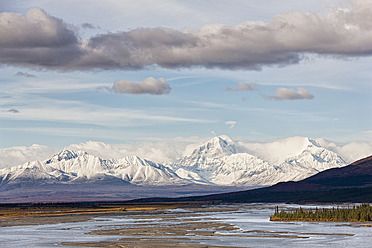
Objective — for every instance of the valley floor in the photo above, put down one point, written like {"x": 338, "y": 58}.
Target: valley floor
{"x": 193, "y": 225}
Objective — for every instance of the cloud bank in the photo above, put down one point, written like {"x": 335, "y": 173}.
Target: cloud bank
{"x": 167, "y": 150}
{"x": 241, "y": 86}
{"x": 21, "y": 154}
{"x": 150, "y": 86}
{"x": 290, "y": 94}
{"x": 44, "y": 41}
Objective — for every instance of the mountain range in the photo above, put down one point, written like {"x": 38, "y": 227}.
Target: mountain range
{"x": 221, "y": 161}
{"x": 352, "y": 183}
{"x": 219, "y": 165}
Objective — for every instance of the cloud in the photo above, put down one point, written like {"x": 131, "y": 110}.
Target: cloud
{"x": 37, "y": 40}
{"x": 24, "y": 74}
{"x": 350, "y": 152}
{"x": 241, "y": 86}
{"x": 290, "y": 94}
{"x": 88, "y": 26}
{"x": 21, "y": 154}
{"x": 78, "y": 112}
{"x": 45, "y": 41}
{"x": 231, "y": 123}
{"x": 150, "y": 86}
{"x": 14, "y": 111}
{"x": 162, "y": 150}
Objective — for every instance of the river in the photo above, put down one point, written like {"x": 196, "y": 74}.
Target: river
{"x": 243, "y": 225}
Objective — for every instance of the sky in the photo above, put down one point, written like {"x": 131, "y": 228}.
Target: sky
{"x": 122, "y": 72}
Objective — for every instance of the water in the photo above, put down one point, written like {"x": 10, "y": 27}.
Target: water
{"x": 252, "y": 220}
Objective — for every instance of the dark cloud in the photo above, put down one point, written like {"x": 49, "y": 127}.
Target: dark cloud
{"x": 150, "y": 86}
{"x": 241, "y": 86}
{"x": 290, "y": 94}
{"x": 14, "y": 111}
{"x": 37, "y": 40}
{"x": 88, "y": 26}
{"x": 24, "y": 74}
{"x": 45, "y": 41}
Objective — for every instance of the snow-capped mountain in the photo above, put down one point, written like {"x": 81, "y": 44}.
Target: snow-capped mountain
{"x": 219, "y": 162}
{"x": 70, "y": 166}
{"x": 311, "y": 160}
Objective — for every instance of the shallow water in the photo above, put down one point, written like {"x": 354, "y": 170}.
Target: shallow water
{"x": 255, "y": 230}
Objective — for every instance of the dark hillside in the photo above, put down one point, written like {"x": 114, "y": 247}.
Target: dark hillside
{"x": 357, "y": 174}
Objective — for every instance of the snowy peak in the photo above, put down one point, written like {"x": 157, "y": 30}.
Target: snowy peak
{"x": 217, "y": 147}
{"x": 32, "y": 171}
{"x": 75, "y": 166}
{"x": 223, "y": 144}
{"x": 202, "y": 156}
{"x": 279, "y": 151}
{"x": 133, "y": 160}
{"x": 66, "y": 155}
{"x": 309, "y": 144}
{"x": 219, "y": 162}
{"x": 143, "y": 172}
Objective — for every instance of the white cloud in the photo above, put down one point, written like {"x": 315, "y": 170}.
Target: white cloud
{"x": 165, "y": 150}
{"x": 160, "y": 151}
{"x": 21, "y": 154}
{"x": 150, "y": 86}
{"x": 231, "y": 123}
{"x": 350, "y": 152}
{"x": 290, "y": 94}
{"x": 156, "y": 150}
{"x": 241, "y": 86}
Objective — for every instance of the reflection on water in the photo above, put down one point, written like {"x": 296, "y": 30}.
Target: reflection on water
{"x": 253, "y": 229}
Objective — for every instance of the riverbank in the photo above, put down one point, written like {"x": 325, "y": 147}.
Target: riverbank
{"x": 194, "y": 226}
{"x": 39, "y": 214}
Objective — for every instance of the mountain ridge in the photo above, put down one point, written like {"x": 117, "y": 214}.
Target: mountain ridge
{"x": 310, "y": 190}
{"x": 217, "y": 165}
{"x": 217, "y": 162}
{"x": 69, "y": 166}
{"x": 221, "y": 161}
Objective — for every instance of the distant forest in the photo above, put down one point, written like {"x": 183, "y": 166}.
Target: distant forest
{"x": 360, "y": 213}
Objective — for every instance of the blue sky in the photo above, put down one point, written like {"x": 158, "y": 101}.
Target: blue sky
{"x": 74, "y": 81}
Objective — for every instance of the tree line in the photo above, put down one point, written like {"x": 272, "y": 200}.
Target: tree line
{"x": 360, "y": 213}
